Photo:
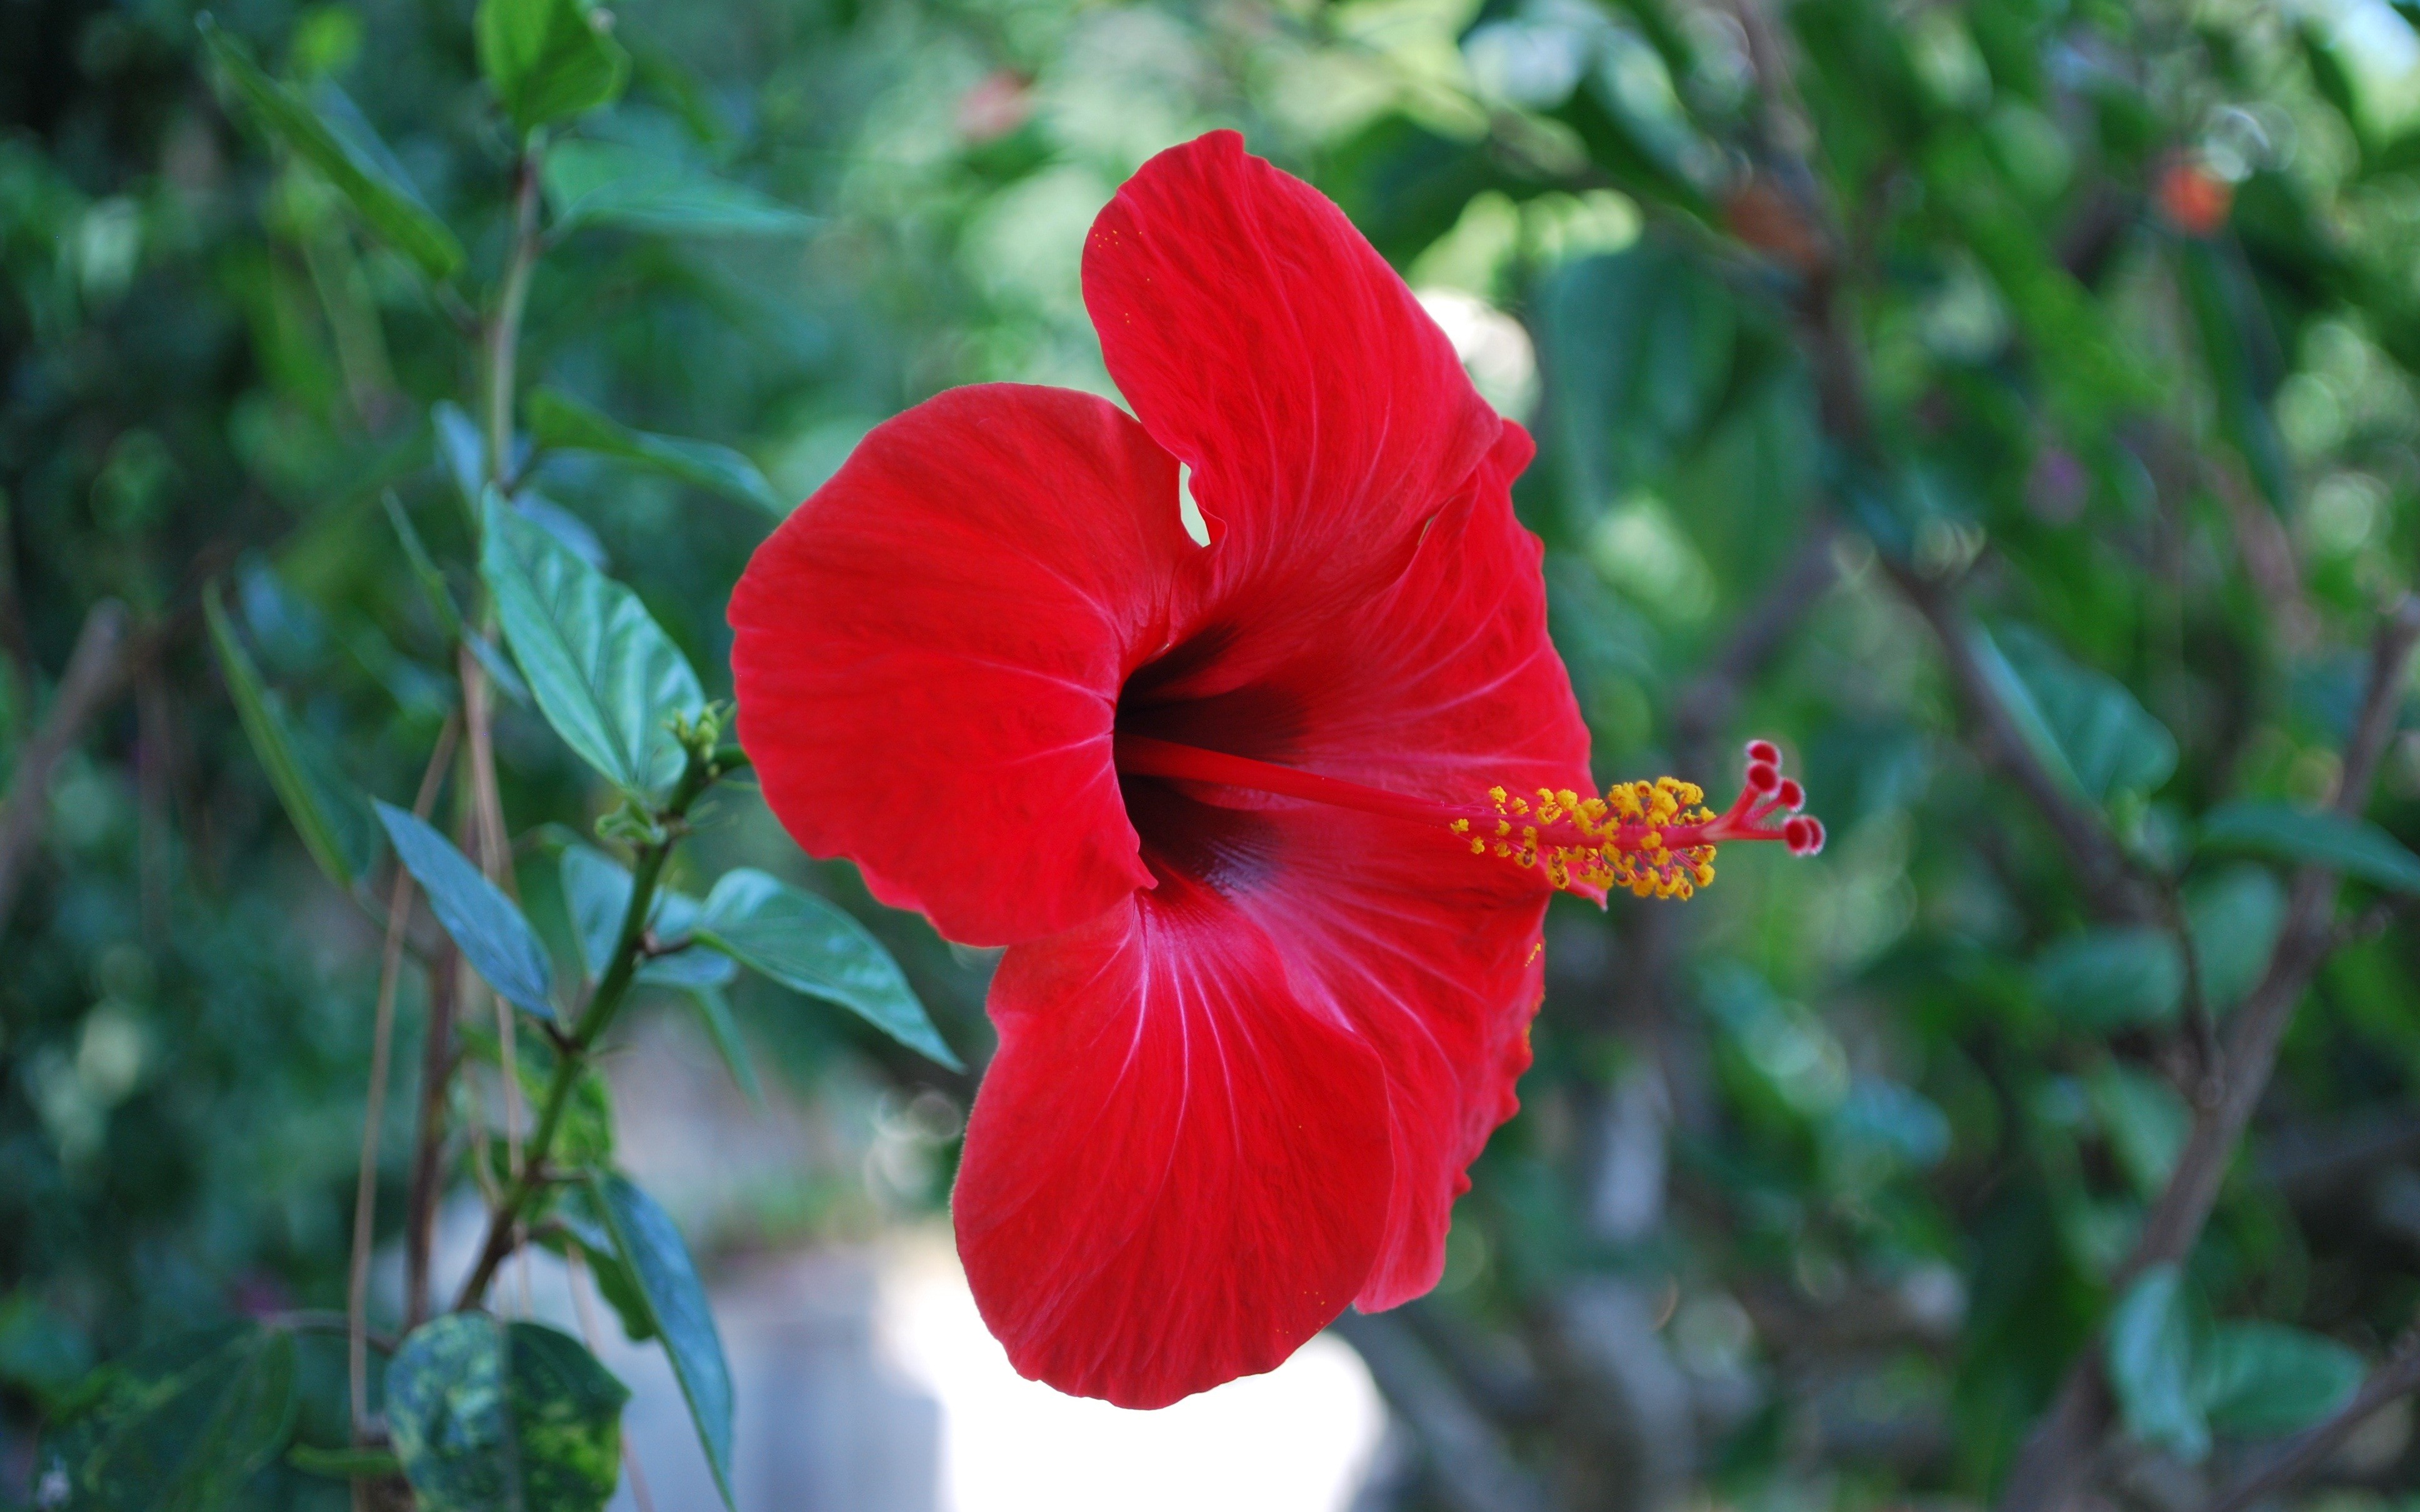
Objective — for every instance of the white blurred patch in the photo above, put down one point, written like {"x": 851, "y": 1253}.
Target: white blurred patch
{"x": 1299, "y": 1439}
{"x": 1186, "y": 509}
{"x": 1494, "y": 351}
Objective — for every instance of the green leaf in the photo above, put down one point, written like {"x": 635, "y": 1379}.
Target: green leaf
{"x": 810, "y": 947}
{"x": 2322, "y": 837}
{"x": 488, "y": 1417}
{"x": 344, "y": 1464}
{"x": 608, "y": 183}
{"x": 424, "y": 568}
{"x": 603, "y": 672}
{"x": 2240, "y": 349}
{"x": 597, "y": 889}
{"x": 2234, "y": 917}
{"x": 561, "y": 422}
{"x": 2149, "y": 1353}
{"x": 2331, "y": 78}
{"x": 449, "y": 615}
{"x": 549, "y": 59}
{"x": 1640, "y": 345}
{"x": 650, "y": 1245}
{"x": 181, "y": 1426}
{"x": 576, "y": 1222}
{"x": 384, "y": 201}
{"x": 2085, "y": 726}
{"x": 714, "y": 1010}
{"x": 584, "y": 1139}
{"x": 2105, "y": 979}
{"x": 2260, "y": 1379}
{"x": 2145, "y": 1120}
{"x": 463, "y": 452}
{"x": 484, "y": 923}
{"x": 325, "y": 810}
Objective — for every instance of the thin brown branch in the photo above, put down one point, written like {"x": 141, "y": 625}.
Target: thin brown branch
{"x": 398, "y": 917}
{"x": 2055, "y": 1459}
{"x": 97, "y": 672}
{"x": 2208, "y": 1056}
{"x": 2298, "y": 1455}
{"x": 428, "y": 1151}
{"x": 2107, "y": 876}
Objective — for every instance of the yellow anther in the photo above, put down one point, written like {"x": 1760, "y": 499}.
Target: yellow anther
{"x": 1624, "y": 839}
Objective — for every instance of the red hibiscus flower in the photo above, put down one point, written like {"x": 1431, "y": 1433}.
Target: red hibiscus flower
{"x": 1214, "y": 772}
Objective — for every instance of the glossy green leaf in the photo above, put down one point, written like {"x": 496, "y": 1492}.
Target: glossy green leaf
{"x": 559, "y": 420}
{"x": 2261, "y": 1379}
{"x": 485, "y": 925}
{"x": 714, "y": 1011}
{"x": 603, "y": 672}
{"x": 2104, "y": 980}
{"x": 424, "y": 567}
{"x": 2234, "y": 917}
{"x": 384, "y": 201}
{"x": 488, "y": 1417}
{"x": 2085, "y": 726}
{"x": 182, "y": 1426}
{"x": 326, "y": 812}
{"x": 462, "y": 450}
{"x": 2145, "y": 1120}
{"x": 597, "y": 889}
{"x": 500, "y": 671}
{"x": 810, "y": 947}
{"x": 549, "y": 59}
{"x": 659, "y": 1261}
{"x": 2239, "y": 347}
{"x": 2149, "y": 1354}
{"x": 608, "y": 183}
{"x": 2354, "y": 847}
{"x": 575, "y": 1223}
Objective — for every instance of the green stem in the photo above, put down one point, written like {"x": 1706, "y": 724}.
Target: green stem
{"x": 505, "y": 328}
{"x": 572, "y": 1055}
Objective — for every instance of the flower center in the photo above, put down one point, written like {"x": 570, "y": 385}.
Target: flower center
{"x": 1654, "y": 838}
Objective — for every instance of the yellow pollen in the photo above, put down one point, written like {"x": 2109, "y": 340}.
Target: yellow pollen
{"x": 1620, "y": 840}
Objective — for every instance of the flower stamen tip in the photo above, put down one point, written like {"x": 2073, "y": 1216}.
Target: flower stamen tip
{"x": 1655, "y": 840}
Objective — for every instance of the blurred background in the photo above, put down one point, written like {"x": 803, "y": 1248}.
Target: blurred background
{"x": 2007, "y": 405}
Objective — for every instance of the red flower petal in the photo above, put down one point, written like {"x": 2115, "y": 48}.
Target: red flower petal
{"x": 1440, "y": 683}
{"x": 1174, "y": 1174}
{"x": 1446, "y": 686}
{"x": 1438, "y": 970}
{"x": 1263, "y": 341}
{"x": 928, "y": 654}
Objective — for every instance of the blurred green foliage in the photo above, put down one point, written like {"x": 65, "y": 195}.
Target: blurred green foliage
{"x": 2007, "y": 405}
